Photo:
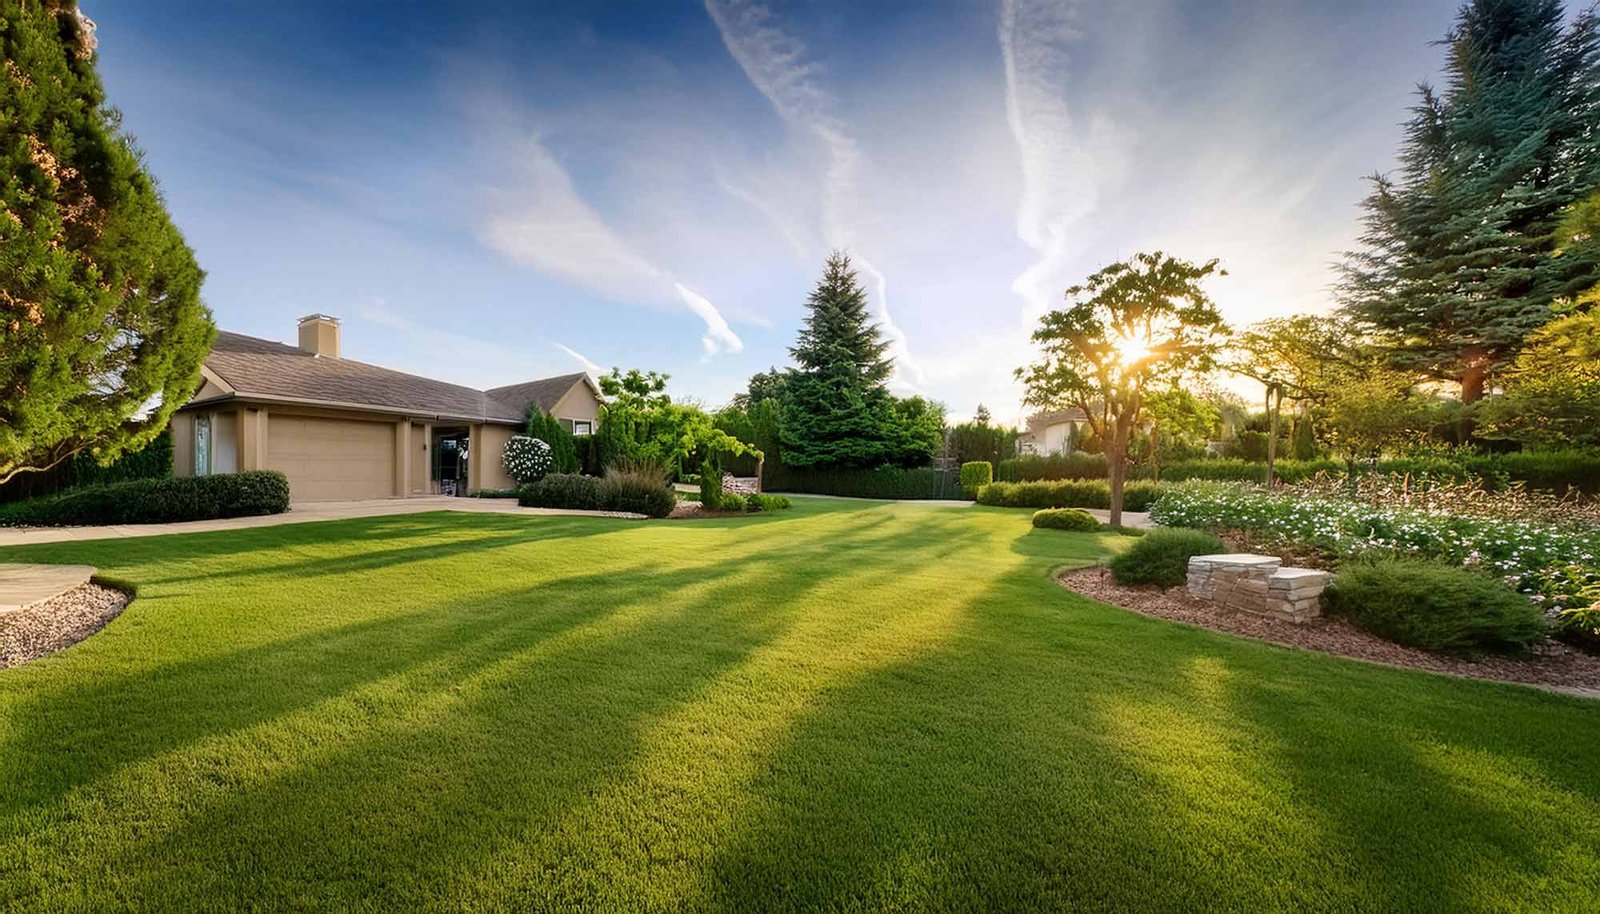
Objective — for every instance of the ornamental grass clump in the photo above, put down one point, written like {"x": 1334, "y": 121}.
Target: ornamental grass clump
{"x": 639, "y": 487}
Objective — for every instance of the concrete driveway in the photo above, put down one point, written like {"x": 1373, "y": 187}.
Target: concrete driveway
{"x": 297, "y": 514}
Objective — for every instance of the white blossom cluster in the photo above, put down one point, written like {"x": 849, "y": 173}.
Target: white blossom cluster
{"x": 526, "y": 459}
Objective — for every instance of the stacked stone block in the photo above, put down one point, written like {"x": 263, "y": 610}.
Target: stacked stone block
{"x": 1258, "y": 584}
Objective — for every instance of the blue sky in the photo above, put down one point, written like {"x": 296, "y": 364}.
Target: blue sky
{"x": 492, "y": 192}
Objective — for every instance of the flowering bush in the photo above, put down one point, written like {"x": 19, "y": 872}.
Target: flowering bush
{"x": 1557, "y": 565}
{"x": 527, "y": 459}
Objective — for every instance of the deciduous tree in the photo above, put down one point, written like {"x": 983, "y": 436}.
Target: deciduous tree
{"x": 1129, "y": 328}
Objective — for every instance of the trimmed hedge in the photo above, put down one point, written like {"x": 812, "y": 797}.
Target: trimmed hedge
{"x": 1065, "y": 519}
{"x": 883, "y": 482}
{"x": 1546, "y": 470}
{"x": 1435, "y": 605}
{"x": 564, "y": 490}
{"x": 974, "y": 475}
{"x": 156, "y": 501}
{"x": 1068, "y": 493}
{"x": 1162, "y": 556}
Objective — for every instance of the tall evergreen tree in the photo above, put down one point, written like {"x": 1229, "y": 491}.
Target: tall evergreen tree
{"x": 837, "y": 409}
{"x": 100, "y": 306}
{"x": 1455, "y": 268}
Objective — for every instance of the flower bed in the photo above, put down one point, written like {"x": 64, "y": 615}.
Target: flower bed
{"x": 1556, "y": 564}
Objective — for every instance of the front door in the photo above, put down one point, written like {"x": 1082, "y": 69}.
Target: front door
{"x": 450, "y": 461}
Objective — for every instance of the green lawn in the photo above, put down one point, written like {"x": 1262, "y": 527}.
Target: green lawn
{"x": 849, "y": 705}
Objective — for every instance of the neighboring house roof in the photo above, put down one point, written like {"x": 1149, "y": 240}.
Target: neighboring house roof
{"x": 254, "y": 368}
{"x": 1038, "y": 422}
{"x": 545, "y": 392}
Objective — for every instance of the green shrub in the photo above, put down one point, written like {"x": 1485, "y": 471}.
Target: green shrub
{"x": 564, "y": 457}
{"x": 1435, "y": 605}
{"x": 639, "y": 487}
{"x": 564, "y": 490}
{"x": 156, "y": 501}
{"x": 883, "y": 482}
{"x": 1077, "y": 465}
{"x": 710, "y": 482}
{"x": 974, "y": 475}
{"x": 764, "y": 502}
{"x": 1065, "y": 519}
{"x": 732, "y": 501}
{"x": 1162, "y": 556}
{"x": 1068, "y": 493}
{"x": 526, "y": 459}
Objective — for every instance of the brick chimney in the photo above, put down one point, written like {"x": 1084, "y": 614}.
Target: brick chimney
{"x": 319, "y": 335}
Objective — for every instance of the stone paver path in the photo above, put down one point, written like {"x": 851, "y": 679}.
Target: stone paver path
{"x": 23, "y": 585}
{"x": 297, "y": 514}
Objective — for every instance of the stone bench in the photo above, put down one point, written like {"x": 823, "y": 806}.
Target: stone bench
{"x": 1258, "y": 584}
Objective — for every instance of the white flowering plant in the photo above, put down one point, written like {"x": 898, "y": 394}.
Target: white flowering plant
{"x": 527, "y": 459}
{"x": 1557, "y": 565}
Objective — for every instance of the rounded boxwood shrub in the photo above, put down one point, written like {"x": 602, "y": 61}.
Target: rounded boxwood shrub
{"x": 527, "y": 459}
{"x": 1162, "y": 556}
{"x": 761, "y": 501}
{"x": 1435, "y": 605}
{"x": 1065, "y": 519}
{"x": 156, "y": 501}
{"x": 564, "y": 490}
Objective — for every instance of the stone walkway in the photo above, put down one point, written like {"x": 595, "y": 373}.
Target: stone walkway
{"x": 297, "y": 514}
{"x": 23, "y": 585}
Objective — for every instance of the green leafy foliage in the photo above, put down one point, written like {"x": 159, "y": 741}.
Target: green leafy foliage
{"x": 563, "y": 445}
{"x": 974, "y": 475}
{"x": 640, "y": 424}
{"x": 1456, "y": 265}
{"x": 762, "y": 501}
{"x": 156, "y": 501}
{"x": 1162, "y": 556}
{"x": 880, "y": 482}
{"x": 99, "y": 294}
{"x": 1552, "y": 395}
{"x": 1076, "y": 465}
{"x": 1435, "y": 605}
{"x": 1065, "y": 519}
{"x": 1067, "y": 493}
{"x": 564, "y": 490}
{"x": 1131, "y": 328}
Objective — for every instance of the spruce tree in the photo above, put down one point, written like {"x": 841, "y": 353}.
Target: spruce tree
{"x": 1456, "y": 265}
{"x": 837, "y": 410}
{"x": 100, "y": 305}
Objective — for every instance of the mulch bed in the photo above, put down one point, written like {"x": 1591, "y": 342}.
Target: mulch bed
{"x": 62, "y": 621}
{"x": 1553, "y": 665}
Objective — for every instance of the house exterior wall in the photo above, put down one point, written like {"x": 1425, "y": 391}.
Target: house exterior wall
{"x": 182, "y": 426}
{"x": 578, "y": 405}
{"x": 486, "y": 468}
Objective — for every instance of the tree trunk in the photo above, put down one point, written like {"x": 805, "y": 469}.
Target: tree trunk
{"x": 1273, "y": 404}
{"x": 1116, "y": 468}
{"x": 1155, "y": 452}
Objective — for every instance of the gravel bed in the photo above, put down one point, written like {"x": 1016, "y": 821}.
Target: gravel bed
{"x": 62, "y": 621}
{"x": 1553, "y": 665}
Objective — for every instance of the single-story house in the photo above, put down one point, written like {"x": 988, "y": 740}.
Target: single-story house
{"x": 1056, "y": 432}
{"x": 342, "y": 429}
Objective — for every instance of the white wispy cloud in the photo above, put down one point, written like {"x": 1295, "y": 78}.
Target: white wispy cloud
{"x": 540, "y": 219}
{"x": 779, "y": 65}
{"x": 581, "y": 359}
{"x": 1063, "y": 165}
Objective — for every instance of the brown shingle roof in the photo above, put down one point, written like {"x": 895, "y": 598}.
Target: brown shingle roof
{"x": 546, "y": 392}
{"x": 265, "y": 369}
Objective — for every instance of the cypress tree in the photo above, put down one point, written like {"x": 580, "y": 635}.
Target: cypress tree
{"x": 837, "y": 409}
{"x": 1456, "y": 266}
{"x": 100, "y": 305}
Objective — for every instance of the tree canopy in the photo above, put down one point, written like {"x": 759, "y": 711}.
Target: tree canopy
{"x": 99, "y": 294}
{"x": 1131, "y": 327}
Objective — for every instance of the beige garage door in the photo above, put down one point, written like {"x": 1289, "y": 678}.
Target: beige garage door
{"x": 332, "y": 459}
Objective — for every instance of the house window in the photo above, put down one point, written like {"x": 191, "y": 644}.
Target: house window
{"x": 582, "y": 428}
{"x": 202, "y": 445}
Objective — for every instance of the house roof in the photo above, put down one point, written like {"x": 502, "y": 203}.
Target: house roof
{"x": 1038, "y": 422}
{"x": 255, "y": 368}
